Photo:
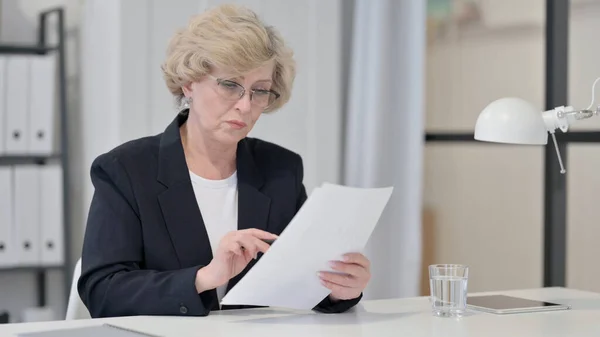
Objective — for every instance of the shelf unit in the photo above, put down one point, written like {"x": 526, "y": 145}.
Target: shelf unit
{"x": 62, "y": 157}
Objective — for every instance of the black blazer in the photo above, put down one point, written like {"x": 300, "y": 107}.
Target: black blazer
{"x": 145, "y": 238}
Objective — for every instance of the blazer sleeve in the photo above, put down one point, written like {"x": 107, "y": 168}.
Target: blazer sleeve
{"x": 327, "y": 305}
{"x": 113, "y": 281}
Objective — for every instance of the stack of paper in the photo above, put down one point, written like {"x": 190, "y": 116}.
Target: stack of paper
{"x": 335, "y": 220}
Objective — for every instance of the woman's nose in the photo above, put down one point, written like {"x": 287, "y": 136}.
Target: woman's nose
{"x": 244, "y": 104}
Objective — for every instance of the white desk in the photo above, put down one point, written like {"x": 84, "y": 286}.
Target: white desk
{"x": 402, "y": 317}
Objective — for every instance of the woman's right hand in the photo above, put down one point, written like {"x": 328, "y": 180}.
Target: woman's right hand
{"x": 236, "y": 249}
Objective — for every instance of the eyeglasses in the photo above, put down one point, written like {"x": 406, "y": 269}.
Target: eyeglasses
{"x": 233, "y": 91}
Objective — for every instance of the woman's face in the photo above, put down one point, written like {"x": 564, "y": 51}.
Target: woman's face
{"x": 216, "y": 108}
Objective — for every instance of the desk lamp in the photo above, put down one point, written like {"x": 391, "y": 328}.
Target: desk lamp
{"x": 513, "y": 120}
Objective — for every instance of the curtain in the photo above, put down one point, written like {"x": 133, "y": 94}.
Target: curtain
{"x": 385, "y": 134}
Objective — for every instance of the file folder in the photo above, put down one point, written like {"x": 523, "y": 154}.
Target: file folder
{"x": 42, "y": 104}
{"x": 51, "y": 215}
{"x": 17, "y": 104}
{"x": 6, "y": 218}
{"x": 2, "y": 104}
{"x": 27, "y": 211}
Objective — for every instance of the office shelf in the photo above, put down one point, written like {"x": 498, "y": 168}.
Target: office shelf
{"x": 30, "y": 268}
{"x": 41, "y": 47}
{"x": 27, "y": 159}
{"x": 569, "y": 137}
{"x": 21, "y": 50}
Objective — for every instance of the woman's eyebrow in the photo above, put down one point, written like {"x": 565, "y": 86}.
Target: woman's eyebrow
{"x": 242, "y": 78}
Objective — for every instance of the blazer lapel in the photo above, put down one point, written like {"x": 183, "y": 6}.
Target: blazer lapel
{"x": 253, "y": 205}
{"x": 178, "y": 202}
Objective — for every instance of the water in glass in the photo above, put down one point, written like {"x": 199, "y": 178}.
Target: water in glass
{"x": 448, "y": 286}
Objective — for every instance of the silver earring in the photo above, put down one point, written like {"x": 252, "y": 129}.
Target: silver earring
{"x": 185, "y": 102}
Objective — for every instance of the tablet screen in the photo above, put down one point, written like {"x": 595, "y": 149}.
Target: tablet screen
{"x": 503, "y": 302}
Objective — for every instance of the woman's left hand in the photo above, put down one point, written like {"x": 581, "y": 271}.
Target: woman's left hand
{"x": 355, "y": 269}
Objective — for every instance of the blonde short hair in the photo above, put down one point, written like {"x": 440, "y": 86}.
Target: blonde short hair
{"x": 230, "y": 37}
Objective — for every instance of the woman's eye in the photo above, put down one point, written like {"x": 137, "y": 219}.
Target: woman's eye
{"x": 261, "y": 92}
{"x": 229, "y": 85}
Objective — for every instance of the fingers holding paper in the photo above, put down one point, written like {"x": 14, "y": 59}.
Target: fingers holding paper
{"x": 236, "y": 249}
{"x": 247, "y": 245}
{"x": 350, "y": 277}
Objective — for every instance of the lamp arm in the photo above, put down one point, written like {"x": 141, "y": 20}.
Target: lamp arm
{"x": 557, "y": 118}
{"x": 561, "y": 118}
{"x": 579, "y": 114}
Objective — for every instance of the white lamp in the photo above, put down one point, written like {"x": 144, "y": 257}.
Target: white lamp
{"x": 516, "y": 121}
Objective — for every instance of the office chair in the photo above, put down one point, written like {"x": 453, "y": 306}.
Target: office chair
{"x": 76, "y": 309}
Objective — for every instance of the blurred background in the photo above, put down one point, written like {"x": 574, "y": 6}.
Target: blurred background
{"x": 387, "y": 93}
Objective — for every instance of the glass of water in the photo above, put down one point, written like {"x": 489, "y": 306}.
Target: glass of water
{"x": 448, "y": 286}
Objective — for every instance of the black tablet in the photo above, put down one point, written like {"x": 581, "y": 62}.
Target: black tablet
{"x": 502, "y": 304}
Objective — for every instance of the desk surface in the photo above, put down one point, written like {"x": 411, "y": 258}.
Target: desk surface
{"x": 399, "y": 317}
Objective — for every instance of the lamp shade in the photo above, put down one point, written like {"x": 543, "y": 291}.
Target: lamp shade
{"x": 511, "y": 120}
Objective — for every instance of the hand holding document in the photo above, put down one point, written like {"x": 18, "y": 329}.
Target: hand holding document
{"x": 335, "y": 220}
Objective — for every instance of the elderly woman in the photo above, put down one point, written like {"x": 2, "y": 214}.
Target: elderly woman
{"x": 178, "y": 218}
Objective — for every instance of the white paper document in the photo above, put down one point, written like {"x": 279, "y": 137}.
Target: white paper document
{"x": 333, "y": 221}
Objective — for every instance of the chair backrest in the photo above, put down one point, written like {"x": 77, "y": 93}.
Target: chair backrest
{"x": 76, "y": 309}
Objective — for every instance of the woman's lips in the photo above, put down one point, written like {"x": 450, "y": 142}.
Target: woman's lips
{"x": 237, "y": 124}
